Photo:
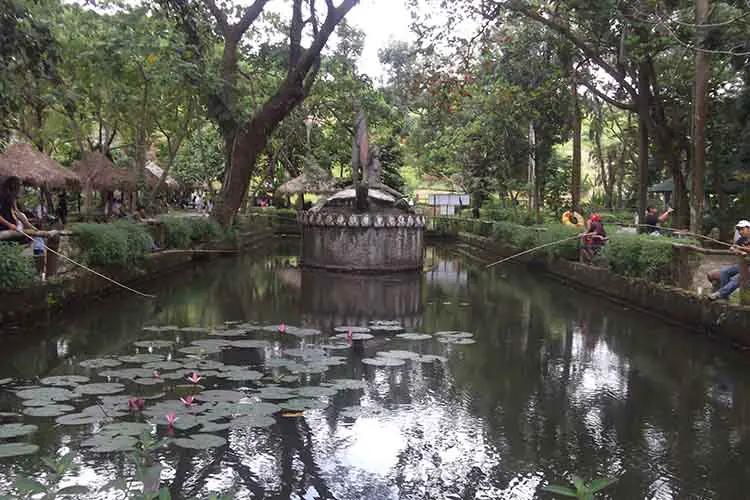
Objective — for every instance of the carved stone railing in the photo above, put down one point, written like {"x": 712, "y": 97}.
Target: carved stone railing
{"x": 361, "y": 220}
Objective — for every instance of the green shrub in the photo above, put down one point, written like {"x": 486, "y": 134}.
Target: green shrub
{"x": 184, "y": 232}
{"x": 641, "y": 256}
{"x": 121, "y": 243}
{"x": 16, "y": 270}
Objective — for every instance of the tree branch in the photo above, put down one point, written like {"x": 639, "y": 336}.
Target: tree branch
{"x": 604, "y": 97}
{"x": 219, "y": 15}
{"x": 295, "y": 35}
{"x": 248, "y": 18}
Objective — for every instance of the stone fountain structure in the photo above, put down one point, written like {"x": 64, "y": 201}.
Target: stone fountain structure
{"x": 366, "y": 227}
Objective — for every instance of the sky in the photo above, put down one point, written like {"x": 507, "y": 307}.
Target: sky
{"x": 382, "y": 21}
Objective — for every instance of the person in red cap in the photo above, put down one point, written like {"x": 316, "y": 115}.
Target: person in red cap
{"x": 593, "y": 239}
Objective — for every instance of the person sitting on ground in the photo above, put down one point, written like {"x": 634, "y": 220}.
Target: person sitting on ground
{"x": 653, "y": 219}
{"x": 726, "y": 280}
{"x": 593, "y": 239}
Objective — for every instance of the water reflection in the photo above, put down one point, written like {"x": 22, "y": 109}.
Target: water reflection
{"x": 558, "y": 383}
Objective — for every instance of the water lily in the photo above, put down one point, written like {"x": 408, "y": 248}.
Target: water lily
{"x": 282, "y": 328}
{"x": 156, "y": 374}
{"x": 194, "y": 378}
{"x": 187, "y": 400}
{"x": 349, "y": 336}
{"x": 171, "y": 418}
{"x": 136, "y": 404}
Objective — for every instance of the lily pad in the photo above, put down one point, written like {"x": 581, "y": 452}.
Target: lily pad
{"x": 235, "y": 332}
{"x": 211, "y": 343}
{"x": 193, "y": 329}
{"x": 289, "y": 379}
{"x": 200, "y": 349}
{"x": 100, "y": 363}
{"x": 277, "y": 393}
{"x": 203, "y": 364}
{"x": 354, "y": 329}
{"x": 163, "y": 365}
{"x": 100, "y": 388}
{"x": 250, "y": 344}
{"x": 355, "y": 336}
{"x": 48, "y": 410}
{"x": 302, "y": 332}
{"x": 185, "y": 422}
{"x": 15, "y": 430}
{"x": 157, "y": 328}
{"x": 380, "y": 322}
{"x": 214, "y": 427}
{"x": 154, "y": 344}
{"x": 431, "y": 358}
{"x": 414, "y": 336}
{"x": 37, "y": 402}
{"x": 313, "y": 391}
{"x": 219, "y": 395}
{"x": 46, "y": 393}
{"x": 141, "y": 358}
{"x": 17, "y": 449}
{"x": 200, "y": 441}
{"x": 456, "y": 341}
{"x": 382, "y": 361}
{"x": 128, "y": 373}
{"x": 178, "y": 375}
{"x": 455, "y": 334}
{"x": 312, "y": 368}
{"x": 5, "y": 381}
{"x": 65, "y": 380}
{"x": 399, "y": 354}
{"x": 127, "y": 428}
{"x": 308, "y": 353}
{"x": 386, "y": 328}
{"x": 242, "y": 375}
{"x": 334, "y": 347}
{"x": 253, "y": 420}
{"x": 149, "y": 381}
{"x": 107, "y": 443}
{"x": 300, "y": 404}
{"x": 345, "y": 384}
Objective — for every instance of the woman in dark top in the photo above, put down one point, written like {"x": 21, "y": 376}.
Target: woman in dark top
{"x": 593, "y": 239}
{"x": 9, "y": 220}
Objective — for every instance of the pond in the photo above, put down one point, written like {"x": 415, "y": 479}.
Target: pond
{"x": 273, "y": 382}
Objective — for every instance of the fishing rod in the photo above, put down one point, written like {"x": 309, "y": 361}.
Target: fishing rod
{"x": 519, "y": 254}
{"x": 87, "y": 268}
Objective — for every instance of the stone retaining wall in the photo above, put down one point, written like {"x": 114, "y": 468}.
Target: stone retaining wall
{"x": 676, "y": 305}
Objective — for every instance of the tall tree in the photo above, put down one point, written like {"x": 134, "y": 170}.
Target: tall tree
{"x": 702, "y": 77}
{"x": 246, "y": 131}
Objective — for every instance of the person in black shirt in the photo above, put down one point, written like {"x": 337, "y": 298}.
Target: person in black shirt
{"x": 11, "y": 217}
{"x": 653, "y": 219}
{"x": 727, "y": 280}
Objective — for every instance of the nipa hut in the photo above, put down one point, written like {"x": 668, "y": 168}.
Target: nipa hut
{"x": 155, "y": 172}
{"x": 98, "y": 172}
{"x": 314, "y": 180}
{"x": 34, "y": 167}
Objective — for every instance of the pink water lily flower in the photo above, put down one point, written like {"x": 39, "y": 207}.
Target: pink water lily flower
{"x": 194, "y": 378}
{"x": 156, "y": 374}
{"x": 171, "y": 417}
{"x": 187, "y": 400}
{"x": 136, "y": 404}
{"x": 282, "y": 328}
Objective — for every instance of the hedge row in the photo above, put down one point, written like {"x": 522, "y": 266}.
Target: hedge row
{"x": 627, "y": 254}
{"x": 16, "y": 270}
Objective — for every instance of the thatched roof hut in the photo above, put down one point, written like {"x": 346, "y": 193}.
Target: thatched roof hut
{"x": 155, "y": 172}
{"x": 314, "y": 180}
{"x": 34, "y": 167}
{"x": 98, "y": 172}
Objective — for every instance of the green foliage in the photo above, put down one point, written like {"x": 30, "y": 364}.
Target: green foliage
{"x": 580, "y": 490}
{"x": 122, "y": 243}
{"x": 640, "y": 256}
{"x": 16, "y": 270}
{"x": 184, "y": 232}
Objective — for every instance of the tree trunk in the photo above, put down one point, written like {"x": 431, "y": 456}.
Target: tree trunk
{"x": 248, "y": 146}
{"x": 575, "y": 181}
{"x": 702, "y": 77}
{"x": 532, "y": 168}
{"x": 643, "y": 138}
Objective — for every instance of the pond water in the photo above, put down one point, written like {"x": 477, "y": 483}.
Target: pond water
{"x": 532, "y": 383}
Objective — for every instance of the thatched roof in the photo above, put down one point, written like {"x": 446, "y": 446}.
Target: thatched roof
{"x": 98, "y": 172}
{"x": 156, "y": 172}
{"x": 313, "y": 180}
{"x": 34, "y": 167}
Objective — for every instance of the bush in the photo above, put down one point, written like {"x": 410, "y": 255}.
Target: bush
{"x": 184, "y": 232}
{"x": 122, "y": 243}
{"x": 641, "y": 256}
{"x": 16, "y": 270}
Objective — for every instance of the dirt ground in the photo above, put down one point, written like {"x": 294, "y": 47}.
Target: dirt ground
{"x": 710, "y": 262}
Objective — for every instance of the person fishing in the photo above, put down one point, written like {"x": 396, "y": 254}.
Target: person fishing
{"x": 593, "y": 239}
{"x": 13, "y": 222}
{"x": 727, "y": 279}
{"x": 653, "y": 219}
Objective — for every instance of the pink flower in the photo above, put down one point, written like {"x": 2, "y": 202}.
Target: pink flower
{"x": 171, "y": 418}
{"x": 349, "y": 337}
{"x": 282, "y": 328}
{"x": 156, "y": 374}
{"x": 187, "y": 400}
{"x": 194, "y": 378}
{"x": 136, "y": 404}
